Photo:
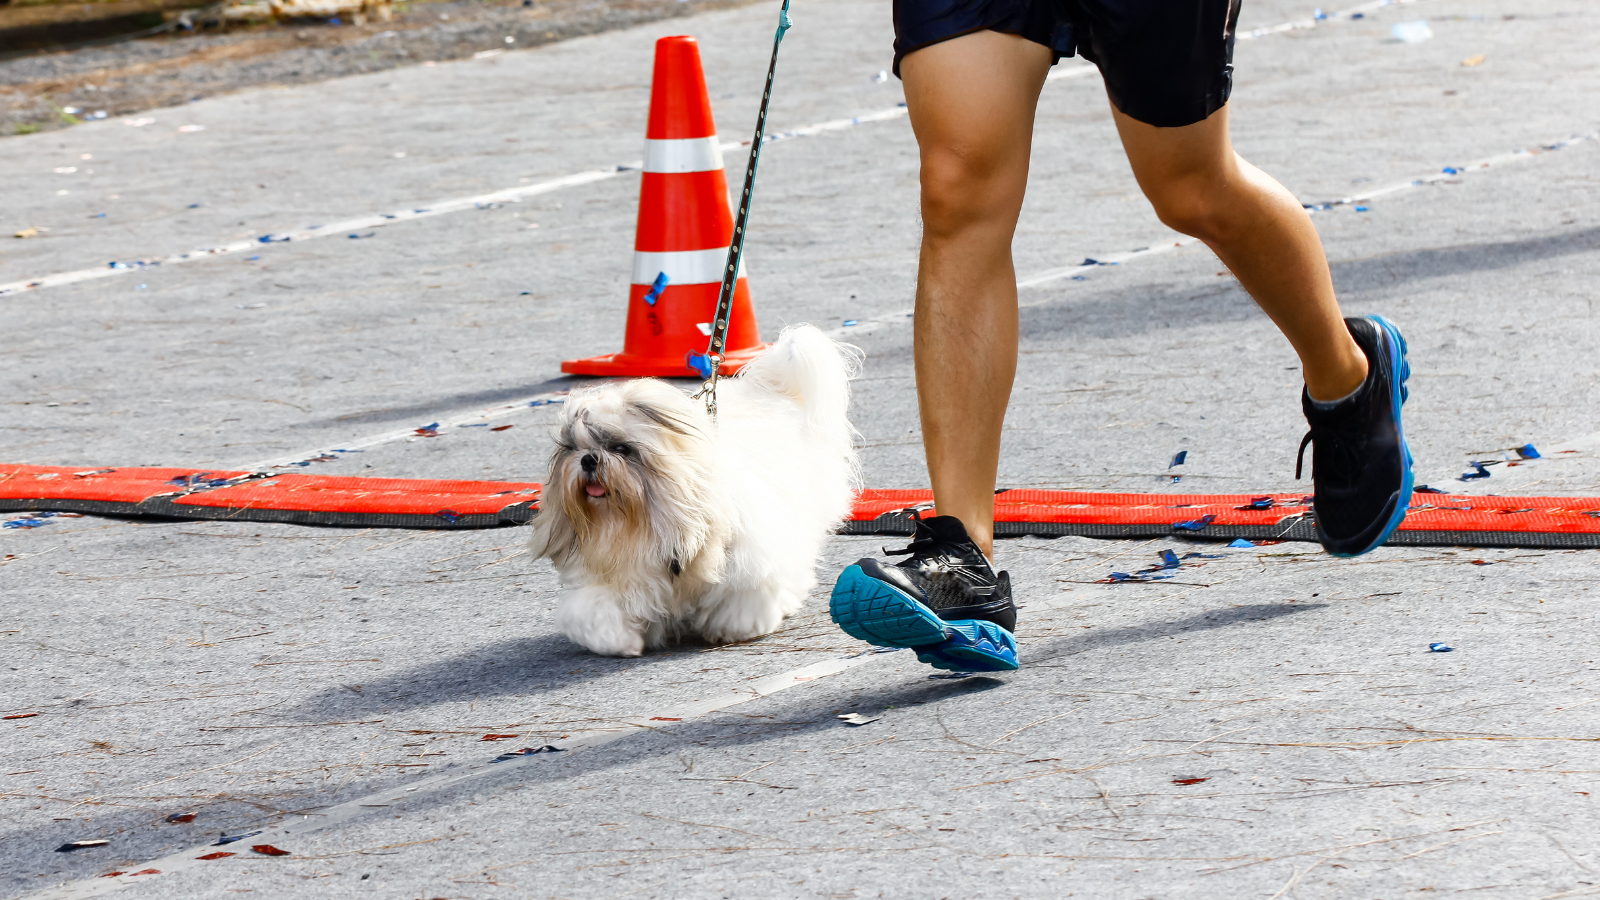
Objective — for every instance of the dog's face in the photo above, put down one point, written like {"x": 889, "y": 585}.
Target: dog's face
{"x": 625, "y": 456}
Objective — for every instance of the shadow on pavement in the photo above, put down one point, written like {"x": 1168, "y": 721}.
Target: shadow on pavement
{"x": 1133, "y": 634}
{"x": 1163, "y": 305}
{"x": 531, "y": 665}
{"x": 467, "y": 400}
{"x": 140, "y": 834}
{"x": 1391, "y": 269}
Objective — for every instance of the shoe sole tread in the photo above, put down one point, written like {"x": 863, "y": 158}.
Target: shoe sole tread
{"x": 870, "y": 610}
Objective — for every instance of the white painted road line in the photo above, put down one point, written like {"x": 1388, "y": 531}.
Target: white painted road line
{"x": 327, "y": 452}
{"x": 286, "y": 830}
{"x": 1452, "y": 172}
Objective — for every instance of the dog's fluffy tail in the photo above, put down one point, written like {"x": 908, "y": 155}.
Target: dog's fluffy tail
{"x": 813, "y": 370}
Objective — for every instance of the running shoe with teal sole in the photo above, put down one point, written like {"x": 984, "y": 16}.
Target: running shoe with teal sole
{"x": 945, "y": 602}
{"x": 1360, "y": 461}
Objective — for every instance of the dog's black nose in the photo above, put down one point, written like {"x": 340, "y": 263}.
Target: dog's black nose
{"x": 589, "y": 463}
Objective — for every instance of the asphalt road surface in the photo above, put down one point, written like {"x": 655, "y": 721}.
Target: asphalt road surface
{"x": 1267, "y": 724}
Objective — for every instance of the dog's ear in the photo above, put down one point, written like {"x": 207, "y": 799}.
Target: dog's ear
{"x": 552, "y": 536}
{"x": 669, "y": 419}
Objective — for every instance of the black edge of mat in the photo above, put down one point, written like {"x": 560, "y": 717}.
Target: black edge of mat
{"x": 163, "y": 507}
{"x": 101, "y": 507}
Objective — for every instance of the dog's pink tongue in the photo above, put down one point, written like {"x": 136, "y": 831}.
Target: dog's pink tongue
{"x": 594, "y": 490}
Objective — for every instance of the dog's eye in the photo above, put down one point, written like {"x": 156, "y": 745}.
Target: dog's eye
{"x": 622, "y": 449}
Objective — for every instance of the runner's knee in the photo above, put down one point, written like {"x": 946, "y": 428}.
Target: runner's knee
{"x": 969, "y": 186}
{"x": 1191, "y": 206}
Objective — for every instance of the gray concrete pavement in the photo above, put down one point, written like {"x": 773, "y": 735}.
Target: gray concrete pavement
{"x": 246, "y": 672}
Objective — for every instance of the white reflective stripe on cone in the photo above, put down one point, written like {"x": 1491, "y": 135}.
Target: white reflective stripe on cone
{"x": 682, "y": 267}
{"x": 683, "y": 155}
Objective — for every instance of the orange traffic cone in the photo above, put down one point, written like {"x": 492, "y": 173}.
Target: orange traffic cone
{"x": 681, "y": 243}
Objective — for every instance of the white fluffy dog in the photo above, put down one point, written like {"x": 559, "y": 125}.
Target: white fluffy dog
{"x": 663, "y": 523}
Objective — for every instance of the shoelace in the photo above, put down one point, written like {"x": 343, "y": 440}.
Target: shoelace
{"x": 926, "y": 546}
{"x": 922, "y": 544}
{"x": 1332, "y": 442}
{"x": 1300, "y": 457}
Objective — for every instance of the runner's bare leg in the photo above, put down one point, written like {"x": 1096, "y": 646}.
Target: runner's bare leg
{"x": 1201, "y": 187}
{"x": 971, "y": 101}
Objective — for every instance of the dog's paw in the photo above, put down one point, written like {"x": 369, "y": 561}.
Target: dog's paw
{"x": 610, "y": 643}
{"x": 594, "y": 621}
{"x": 730, "y": 626}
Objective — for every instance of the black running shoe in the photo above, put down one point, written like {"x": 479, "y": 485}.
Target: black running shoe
{"x": 1359, "y": 458}
{"x": 944, "y": 601}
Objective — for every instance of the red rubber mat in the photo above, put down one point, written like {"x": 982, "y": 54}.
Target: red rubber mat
{"x": 247, "y": 497}
{"x": 1434, "y": 519}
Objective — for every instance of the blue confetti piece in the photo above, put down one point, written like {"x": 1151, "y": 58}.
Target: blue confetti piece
{"x": 228, "y": 839}
{"x": 1080, "y": 278}
{"x": 1178, "y": 459}
{"x": 1194, "y": 524}
{"x": 252, "y": 257}
{"x": 1478, "y": 471}
{"x": 527, "y": 293}
{"x": 475, "y": 425}
{"x": 198, "y": 480}
{"x": 1089, "y": 261}
{"x": 33, "y": 521}
{"x": 1527, "y": 451}
{"x": 699, "y": 363}
{"x": 357, "y": 237}
{"x": 1358, "y": 15}
{"x": 194, "y": 206}
{"x": 430, "y": 430}
{"x": 1169, "y": 560}
{"x": 656, "y": 287}
{"x": 848, "y": 322}
{"x": 1319, "y": 15}
{"x": 1451, "y": 170}
{"x": 1258, "y": 503}
{"x": 1424, "y": 489}
{"x": 1240, "y": 544}
{"x": 1437, "y": 647}
{"x": 272, "y": 238}
{"x": 98, "y": 216}
{"x": 449, "y": 515}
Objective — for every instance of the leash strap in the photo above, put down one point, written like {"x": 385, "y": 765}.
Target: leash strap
{"x": 730, "y": 275}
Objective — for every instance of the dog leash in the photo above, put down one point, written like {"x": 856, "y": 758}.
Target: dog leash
{"x": 710, "y": 363}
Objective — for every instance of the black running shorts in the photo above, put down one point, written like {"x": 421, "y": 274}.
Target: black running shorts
{"x": 1166, "y": 62}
